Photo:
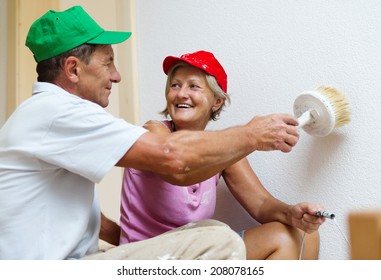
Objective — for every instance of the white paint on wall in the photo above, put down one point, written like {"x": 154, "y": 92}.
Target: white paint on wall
{"x": 272, "y": 51}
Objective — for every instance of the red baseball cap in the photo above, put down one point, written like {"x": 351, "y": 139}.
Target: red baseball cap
{"x": 203, "y": 60}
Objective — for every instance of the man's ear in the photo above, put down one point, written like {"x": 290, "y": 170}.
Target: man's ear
{"x": 70, "y": 68}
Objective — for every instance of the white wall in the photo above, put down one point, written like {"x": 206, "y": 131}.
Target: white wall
{"x": 273, "y": 50}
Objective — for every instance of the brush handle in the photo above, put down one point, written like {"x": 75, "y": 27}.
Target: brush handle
{"x": 304, "y": 119}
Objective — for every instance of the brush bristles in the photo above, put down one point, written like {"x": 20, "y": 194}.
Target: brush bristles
{"x": 339, "y": 103}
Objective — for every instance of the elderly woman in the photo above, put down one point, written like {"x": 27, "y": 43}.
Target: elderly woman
{"x": 196, "y": 93}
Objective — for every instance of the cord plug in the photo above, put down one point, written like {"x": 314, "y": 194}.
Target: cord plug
{"x": 325, "y": 214}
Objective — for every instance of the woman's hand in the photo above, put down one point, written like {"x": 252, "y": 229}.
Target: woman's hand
{"x": 303, "y": 216}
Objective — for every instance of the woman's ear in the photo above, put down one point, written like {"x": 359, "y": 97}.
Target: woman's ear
{"x": 217, "y": 104}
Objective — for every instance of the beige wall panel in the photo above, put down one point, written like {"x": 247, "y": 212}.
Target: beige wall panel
{"x": 21, "y": 65}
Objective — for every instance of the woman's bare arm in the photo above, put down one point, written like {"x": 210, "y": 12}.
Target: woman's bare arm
{"x": 262, "y": 206}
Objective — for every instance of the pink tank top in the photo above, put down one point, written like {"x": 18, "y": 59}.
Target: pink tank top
{"x": 151, "y": 206}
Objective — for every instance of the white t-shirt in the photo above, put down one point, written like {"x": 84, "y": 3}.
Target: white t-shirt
{"x": 53, "y": 150}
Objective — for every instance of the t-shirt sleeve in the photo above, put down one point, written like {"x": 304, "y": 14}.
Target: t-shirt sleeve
{"x": 87, "y": 141}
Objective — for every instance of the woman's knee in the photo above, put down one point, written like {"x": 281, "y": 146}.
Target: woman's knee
{"x": 285, "y": 234}
{"x": 307, "y": 245}
{"x": 275, "y": 240}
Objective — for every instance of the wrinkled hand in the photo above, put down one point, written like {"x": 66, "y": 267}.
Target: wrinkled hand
{"x": 303, "y": 216}
{"x": 275, "y": 132}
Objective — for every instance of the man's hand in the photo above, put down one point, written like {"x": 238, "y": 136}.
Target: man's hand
{"x": 275, "y": 132}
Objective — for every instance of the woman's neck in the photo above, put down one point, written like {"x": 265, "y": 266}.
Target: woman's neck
{"x": 186, "y": 127}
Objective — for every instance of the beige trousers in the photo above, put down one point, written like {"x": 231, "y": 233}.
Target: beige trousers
{"x": 203, "y": 240}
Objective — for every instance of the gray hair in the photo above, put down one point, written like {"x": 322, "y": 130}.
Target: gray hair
{"x": 49, "y": 69}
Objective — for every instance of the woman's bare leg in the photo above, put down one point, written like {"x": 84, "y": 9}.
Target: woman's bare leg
{"x": 277, "y": 241}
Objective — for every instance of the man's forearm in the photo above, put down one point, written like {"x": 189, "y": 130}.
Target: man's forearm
{"x": 185, "y": 157}
{"x": 208, "y": 153}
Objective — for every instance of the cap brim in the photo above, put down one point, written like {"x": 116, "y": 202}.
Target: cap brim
{"x": 169, "y": 61}
{"x": 110, "y": 37}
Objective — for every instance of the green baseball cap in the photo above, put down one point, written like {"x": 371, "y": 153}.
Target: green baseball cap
{"x": 57, "y": 32}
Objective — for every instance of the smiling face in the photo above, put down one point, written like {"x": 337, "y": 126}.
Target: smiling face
{"x": 96, "y": 77}
{"x": 190, "y": 101}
